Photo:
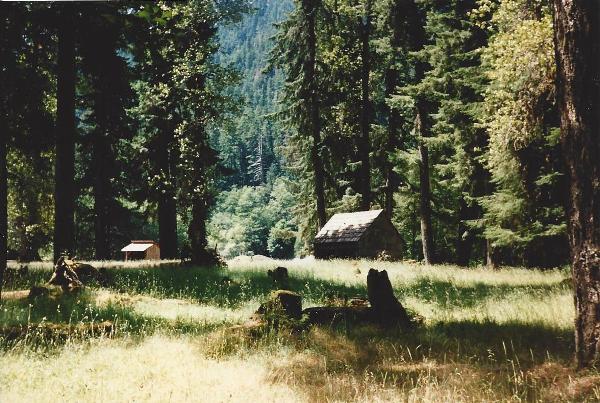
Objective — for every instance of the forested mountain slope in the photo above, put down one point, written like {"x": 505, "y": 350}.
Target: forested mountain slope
{"x": 248, "y": 143}
{"x": 253, "y": 211}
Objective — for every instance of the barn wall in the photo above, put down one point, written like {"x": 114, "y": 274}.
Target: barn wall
{"x": 153, "y": 253}
{"x": 381, "y": 236}
{"x": 332, "y": 250}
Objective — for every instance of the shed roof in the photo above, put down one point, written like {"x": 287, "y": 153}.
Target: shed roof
{"x": 347, "y": 227}
{"x": 138, "y": 246}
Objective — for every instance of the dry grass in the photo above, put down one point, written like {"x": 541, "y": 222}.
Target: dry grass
{"x": 159, "y": 369}
{"x": 488, "y": 336}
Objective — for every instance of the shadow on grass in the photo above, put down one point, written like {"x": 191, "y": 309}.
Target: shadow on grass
{"x": 212, "y": 286}
{"x": 447, "y": 294}
{"x": 50, "y": 321}
{"x": 219, "y": 286}
{"x": 484, "y": 360}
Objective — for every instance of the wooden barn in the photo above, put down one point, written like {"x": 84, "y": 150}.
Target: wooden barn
{"x": 364, "y": 234}
{"x": 142, "y": 250}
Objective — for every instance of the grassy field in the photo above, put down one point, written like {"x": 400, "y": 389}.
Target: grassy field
{"x": 502, "y": 335}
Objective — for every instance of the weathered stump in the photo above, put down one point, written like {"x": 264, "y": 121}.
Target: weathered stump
{"x": 283, "y": 303}
{"x": 69, "y": 274}
{"x": 280, "y": 277}
{"x": 387, "y": 310}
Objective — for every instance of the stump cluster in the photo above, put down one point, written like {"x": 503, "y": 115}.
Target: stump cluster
{"x": 381, "y": 308}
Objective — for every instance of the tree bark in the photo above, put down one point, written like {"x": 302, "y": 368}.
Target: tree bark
{"x": 167, "y": 206}
{"x": 424, "y": 189}
{"x": 197, "y": 232}
{"x": 6, "y": 88}
{"x": 3, "y": 187}
{"x": 64, "y": 188}
{"x": 391, "y": 141}
{"x": 106, "y": 100}
{"x": 392, "y": 80}
{"x": 577, "y": 44}
{"x": 365, "y": 118}
{"x": 3, "y": 195}
{"x": 167, "y": 225}
{"x": 102, "y": 191}
{"x": 309, "y": 10}
{"x": 465, "y": 237}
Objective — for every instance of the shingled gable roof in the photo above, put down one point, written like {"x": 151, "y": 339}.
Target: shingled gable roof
{"x": 347, "y": 227}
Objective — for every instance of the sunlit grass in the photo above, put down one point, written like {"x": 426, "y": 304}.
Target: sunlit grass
{"x": 503, "y": 335}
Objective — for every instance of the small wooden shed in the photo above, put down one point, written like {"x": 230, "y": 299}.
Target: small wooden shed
{"x": 364, "y": 234}
{"x": 142, "y": 250}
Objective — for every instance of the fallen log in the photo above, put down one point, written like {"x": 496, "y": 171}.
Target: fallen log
{"x": 333, "y": 315}
{"x": 63, "y": 331}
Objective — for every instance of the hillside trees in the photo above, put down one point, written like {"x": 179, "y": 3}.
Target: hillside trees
{"x": 296, "y": 52}
{"x": 576, "y": 35}
{"x": 249, "y": 144}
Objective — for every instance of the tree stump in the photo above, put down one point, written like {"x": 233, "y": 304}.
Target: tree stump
{"x": 386, "y": 308}
{"x": 280, "y": 277}
{"x": 70, "y": 274}
{"x": 282, "y": 303}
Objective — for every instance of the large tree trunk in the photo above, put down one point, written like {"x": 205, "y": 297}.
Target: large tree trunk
{"x": 167, "y": 225}
{"x": 102, "y": 191}
{"x": 6, "y": 80}
{"x": 577, "y": 40}
{"x": 391, "y": 141}
{"x": 392, "y": 80}
{"x": 105, "y": 100}
{"x": 424, "y": 189}
{"x": 3, "y": 198}
{"x": 365, "y": 117}
{"x": 465, "y": 237}
{"x": 167, "y": 206}
{"x": 414, "y": 31}
{"x": 197, "y": 232}
{"x": 3, "y": 187}
{"x": 64, "y": 188}
{"x": 309, "y": 10}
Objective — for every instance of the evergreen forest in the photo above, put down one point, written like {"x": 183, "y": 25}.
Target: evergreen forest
{"x": 233, "y": 127}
